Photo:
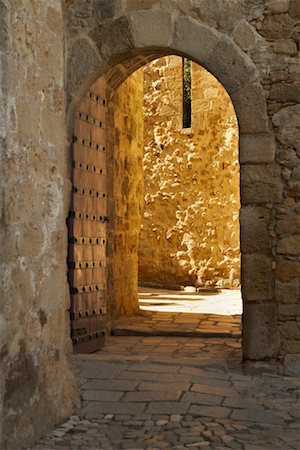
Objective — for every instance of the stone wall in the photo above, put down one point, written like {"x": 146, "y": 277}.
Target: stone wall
{"x": 252, "y": 47}
{"x": 190, "y": 227}
{"x": 37, "y": 386}
{"x": 125, "y": 193}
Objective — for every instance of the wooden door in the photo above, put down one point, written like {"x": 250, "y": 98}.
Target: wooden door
{"x": 87, "y": 224}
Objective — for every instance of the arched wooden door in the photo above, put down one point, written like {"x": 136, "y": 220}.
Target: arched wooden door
{"x": 87, "y": 223}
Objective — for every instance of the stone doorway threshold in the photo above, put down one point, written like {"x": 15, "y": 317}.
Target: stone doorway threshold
{"x": 163, "y": 312}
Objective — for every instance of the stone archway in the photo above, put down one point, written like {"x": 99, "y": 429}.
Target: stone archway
{"x": 122, "y": 45}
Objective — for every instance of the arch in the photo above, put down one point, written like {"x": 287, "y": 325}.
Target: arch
{"x": 120, "y": 46}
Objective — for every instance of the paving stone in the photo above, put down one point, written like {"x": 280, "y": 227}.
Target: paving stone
{"x": 146, "y": 386}
{"x": 248, "y": 412}
{"x": 153, "y": 368}
{"x": 93, "y": 408}
{"x": 256, "y": 415}
{"x": 102, "y": 396}
{"x": 211, "y": 411}
{"x": 150, "y": 396}
{"x": 167, "y": 407}
{"x": 202, "y": 399}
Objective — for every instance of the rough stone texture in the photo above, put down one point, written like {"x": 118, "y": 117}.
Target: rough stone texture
{"x": 257, "y": 148}
{"x": 35, "y": 374}
{"x": 255, "y": 230}
{"x": 38, "y": 387}
{"x": 191, "y": 181}
{"x": 265, "y": 342}
{"x": 159, "y": 30}
{"x": 256, "y": 277}
{"x": 261, "y": 184}
{"x": 125, "y": 190}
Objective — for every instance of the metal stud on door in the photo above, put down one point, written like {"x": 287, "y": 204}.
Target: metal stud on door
{"x": 87, "y": 224}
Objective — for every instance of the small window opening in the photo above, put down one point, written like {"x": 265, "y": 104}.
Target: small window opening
{"x": 187, "y": 93}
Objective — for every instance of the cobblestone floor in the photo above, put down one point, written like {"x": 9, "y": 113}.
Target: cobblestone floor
{"x": 208, "y": 313}
{"x": 177, "y": 393}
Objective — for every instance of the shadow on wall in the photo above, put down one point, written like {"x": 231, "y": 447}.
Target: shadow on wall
{"x": 190, "y": 225}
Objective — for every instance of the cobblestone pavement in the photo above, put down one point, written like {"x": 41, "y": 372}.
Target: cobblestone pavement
{"x": 177, "y": 393}
{"x": 178, "y": 313}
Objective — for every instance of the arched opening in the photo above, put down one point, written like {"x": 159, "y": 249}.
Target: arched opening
{"x": 129, "y": 148}
{"x": 93, "y": 55}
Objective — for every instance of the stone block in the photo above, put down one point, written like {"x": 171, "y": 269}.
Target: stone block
{"x": 296, "y": 33}
{"x": 289, "y": 310}
{"x": 285, "y": 47}
{"x": 294, "y": 9}
{"x": 261, "y": 184}
{"x": 152, "y": 396}
{"x": 290, "y": 224}
{"x": 194, "y": 38}
{"x": 278, "y": 6}
{"x": 291, "y": 365}
{"x": 277, "y": 26}
{"x": 287, "y": 292}
{"x": 140, "y": 4}
{"x": 152, "y": 28}
{"x": 245, "y": 35}
{"x": 167, "y": 408}
{"x": 285, "y": 92}
{"x": 255, "y": 148}
{"x": 260, "y": 336}
{"x": 113, "y": 38}
{"x": 250, "y": 108}
{"x": 218, "y": 412}
{"x": 82, "y": 60}
{"x": 4, "y": 35}
{"x": 255, "y": 237}
{"x": 231, "y": 65}
{"x": 287, "y": 122}
{"x": 257, "y": 277}
{"x": 290, "y": 330}
{"x": 287, "y": 270}
{"x": 289, "y": 245}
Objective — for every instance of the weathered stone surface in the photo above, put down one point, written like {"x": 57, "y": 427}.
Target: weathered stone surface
{"x": 278, "y": 6}
{"x": 35, "y": 39}
{"x": 187, "y": 197}
{"x": 3, "y": 27}
{"x": 257, "y": 277}
{"x": 289, "y": 310}
{"x": 294, "y": 9}
{"x": 125, "y": 188}
{"x": 261, "y": 338}
{"x": 113, "y": 38}
{"x": 82, "y": 60}
{"x": 159, "y": 28}
{"x": 287, "y": 270}
{"x": 250, "y": 107}
{"x": 255, "y": 148}
{"x": 191, "y": 37}
{"x": 283, "y": 92}
{"x": 287, "y": 292}
{"x": 255, "y": 237}
{"x": 226, "y": 56}
{"x": 286, "y": 120}
{"x": 292, "y": 365}
{"x": 289, "y": 245}
{"x": 290, "y": 224}
{"x": 261, "y": 183}
{"x": 285, "y": 47}
{"x": 277, "y": 26}
{"x": 290, "y": 330}
{"x": 245, "y": 35}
